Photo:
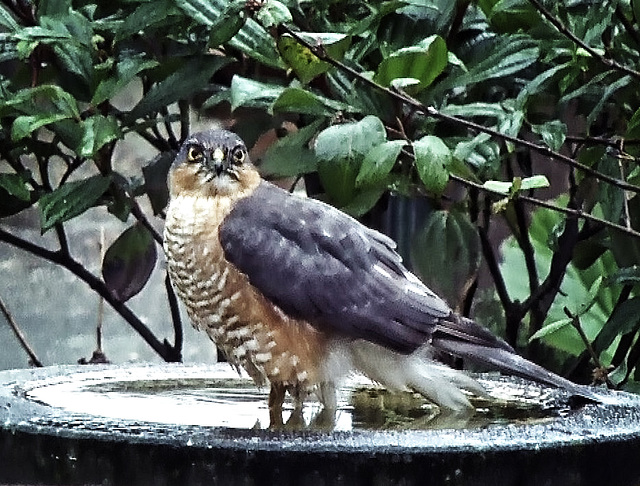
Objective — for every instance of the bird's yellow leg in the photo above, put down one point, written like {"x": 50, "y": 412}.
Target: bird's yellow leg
{"x": 276, "y": 399}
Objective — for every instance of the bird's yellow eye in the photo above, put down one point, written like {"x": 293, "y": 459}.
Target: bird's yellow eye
{"x": 238, "y": 155}
{"x": 194, "y": 154}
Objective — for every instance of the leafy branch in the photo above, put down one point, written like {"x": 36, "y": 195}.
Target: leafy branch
{"x": 164, "y": 349}
{"x": 576, "y": 40}
{"x": 321, "y": 53}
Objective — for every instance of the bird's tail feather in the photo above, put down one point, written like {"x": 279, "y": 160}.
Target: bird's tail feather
{"x": 514, "y": 364}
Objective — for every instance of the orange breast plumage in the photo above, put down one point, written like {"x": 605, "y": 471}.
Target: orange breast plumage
{"x": 252, "y": 332}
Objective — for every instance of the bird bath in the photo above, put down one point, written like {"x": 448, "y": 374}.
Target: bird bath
{"x": 184, "y": 424}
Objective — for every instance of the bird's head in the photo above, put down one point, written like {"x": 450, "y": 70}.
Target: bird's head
{"x": 212, "y": 163}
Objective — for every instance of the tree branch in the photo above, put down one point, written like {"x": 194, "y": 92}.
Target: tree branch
{"x": 544, "y": 204}
{"x": 167, "y": 353}
{"x": 320, "y": 53}
{"x": 571, "y": 36}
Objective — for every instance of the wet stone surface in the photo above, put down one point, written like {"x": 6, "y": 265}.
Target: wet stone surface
{"x": 116, "y": 424}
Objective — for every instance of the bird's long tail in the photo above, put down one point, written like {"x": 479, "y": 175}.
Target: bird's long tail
{"x": 506, "y": 360}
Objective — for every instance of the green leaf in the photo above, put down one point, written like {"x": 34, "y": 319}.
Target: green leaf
{"x": 454, "y": 239}
{"x": 253, "y": 94}
{"x": 41, "y": 101}
{"x": 76, "y": 51}
{"x": 378, "y": 163}
{"x": 609, "y": 90}
{"x": 291, "y": 156}
{"x": 510, "y": 188}
{"x": 7, "y": 20}
{"x": 624, "y": 319}
{"x": 190, "y": 78}
{"x": 14, "y": 184}
{"x": 128, "y": 263}
{"x": 253, "y": 40}
{"x": 553, "y": 133}
{"x": 551, "y": 328}
{"x": 298, "y": 100}
{"x": 433, "y": 158}
{"x": 125, "y": 70}
{"x": 70, "y": 200}
{"x": 228, "y": 27}
{"x": 273, "y": 13}
{"x": 97, "y": 131}
{"x": 24, "y": 125}
{"x": 423, "y": 62}
{"x": 305, "y": 63}
{"x": 14, "y": 194}
{"x": 513, "y": 16}
{"x": 340, "y": 150}
{"x": 363, "y": 201}
{"x": 485, "y": 110}
{"x": 144, "y": 16}
{"x": 575, "y": 287}
{"x": 224, "y": 19}
{"x": 509, "y": 55}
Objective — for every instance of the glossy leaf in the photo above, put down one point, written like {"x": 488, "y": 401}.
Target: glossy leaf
{"x": 145, "y": 16}
{"x": 298, "y": 100}
{"x": 7, "y": 20}
{"x": 190, "y": 78}
{"x": 14, "y": 194}
{"x": 340, "y": 150}
{"x": 226, "y": 20}
{"x": 575, "y": 288}
{"x": 553, "y": 133}
{"x": 272, "y": 13}
{"x": 97, "y": 131}
{"x": 24, "y": 125}
{"x": 14, "y": 184}
{"x": 519, "y": 184}
{"x": 624, "y": 319}
{"x": 71, "y": 200}
{"x": 378, "y": 162}
{"x": 447, "y": 237}
{"x": 433, "y": 158}
{"x": 305, "y": 63}
{"x": 551, "y": 328}
{"x": 291, "y": 156}
{"x": 125, "y": 71}
{"x": 128, "y": 263}
{"x": 423, "y": 63}
{"x": 253, "y": 94}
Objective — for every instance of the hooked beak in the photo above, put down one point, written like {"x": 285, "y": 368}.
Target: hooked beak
{"x": 217, "y": 161}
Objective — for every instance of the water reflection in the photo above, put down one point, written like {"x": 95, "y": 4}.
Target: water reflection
{"x": 217, "y": 397}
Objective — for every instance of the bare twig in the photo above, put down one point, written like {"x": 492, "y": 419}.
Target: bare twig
{"x": 33, "y": 358}
{"x": 167, "y": 352}
{"x": 575, "y": 322}
{"x": 571, "y": 36}
{"x": 544, "y": 204}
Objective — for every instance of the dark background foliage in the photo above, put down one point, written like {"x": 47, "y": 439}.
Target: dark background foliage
{"x": 497, "y": 141}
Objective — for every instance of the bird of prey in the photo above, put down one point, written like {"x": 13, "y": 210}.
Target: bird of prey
{"x": 300, "y": 294}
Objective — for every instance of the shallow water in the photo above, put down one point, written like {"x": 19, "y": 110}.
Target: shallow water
{"x": 220, "y": 398}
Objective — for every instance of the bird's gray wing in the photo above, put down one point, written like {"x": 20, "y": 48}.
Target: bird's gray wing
{"x": 318, "y": 264}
